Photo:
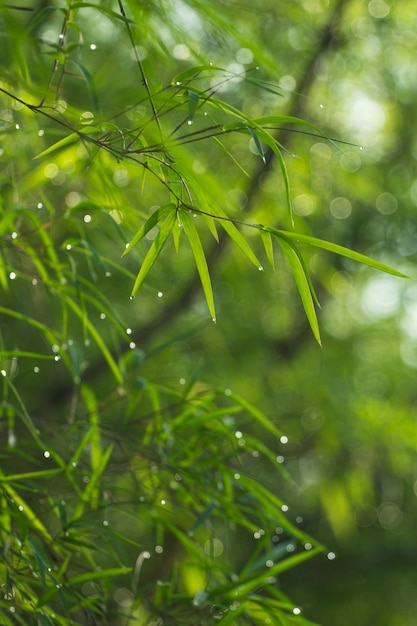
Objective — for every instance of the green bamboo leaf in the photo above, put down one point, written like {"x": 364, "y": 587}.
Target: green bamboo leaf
{"x": 255, "y": 412}
{"x": 150, "y": 223}
{"x": 258, "y": 144}
{"x": 153, "y": 252}
{"x": 230, "y": 155}
{"x": 235, "y": 235}
{"x": 72, "y": 138}
{"x": 302, "y": 281}
{"x": 99, "y": 574}
{"x": 200, "y": 259}
{"x": 273, "y": 144}
{"x": 82, "y": 315}
{"x": 42, "y": 562}
{"x": 193, "y": 72}
{"x": 341, "y": 250}
{"x": 193, "y": 102}
{"x": 267, "y": 241}
{"x": 286, "y": 119}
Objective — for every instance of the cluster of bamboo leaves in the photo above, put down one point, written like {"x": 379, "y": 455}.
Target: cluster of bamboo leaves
{"x": 121, "y": 503}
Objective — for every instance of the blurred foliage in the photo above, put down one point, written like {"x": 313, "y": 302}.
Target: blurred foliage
{"x": 151, "y": 156}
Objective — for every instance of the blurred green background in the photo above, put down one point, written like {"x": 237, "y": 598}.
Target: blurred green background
{"x": 349, "y": 408}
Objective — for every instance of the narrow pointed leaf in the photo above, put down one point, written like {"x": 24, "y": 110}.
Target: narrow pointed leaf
{"x": 150, "y": 223}
{"x": 302, "y": 281}
{"x": 267, "y": 241}
{"x": 72, "y": 138}
{"x": 342, "y": 251}
{"x": 257, "y": 142}
{"x": 200, "y": 259}
{"x": 154, "y": 250}
{"x": 235, "y": 235}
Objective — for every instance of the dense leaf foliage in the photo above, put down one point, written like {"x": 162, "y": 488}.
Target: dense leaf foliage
{"x": 136, "y": 486}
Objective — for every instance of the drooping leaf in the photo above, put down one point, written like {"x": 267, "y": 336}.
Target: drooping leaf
{"x": 150, "y": 223}
{"x": 302, "y": 281}
{"x": 155, "y": 249}
{"x": 200, "y": 259}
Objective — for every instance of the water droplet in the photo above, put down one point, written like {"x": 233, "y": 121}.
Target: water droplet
{"x": 227, "y": 392}
{"x": 307, "y": 546}
{"x": 159, "y": 549}
{"x": 34, "y": 281}
{"x": 74, "y": 464}
{"x": 260, "y": 268}
{"x": 283, "y": 439}
{"x": 146, "y": 555}
{"x": 39, "y": 205}
{"x": 280, "y": 459}
{"x": 296, "y": 610}
{"x": 12, "y": 275}
{"x": 3, "y": 372}
{"x": 238, "y": 434}
{"x": 163, "y": 502}
{"x": 257, "y": 535}
{"x": 290, "y": 547}
{"x": 46, "y": 454}
{"x": 93, "y": 46}
{"x": 131, "y": 297}
{"x": 189, "y": 122}
{"x": 127, "y": 245}
{"x": 236, "y": 476}
{"x": 255, "y": 454}
{"x": 178, "y": 82}
{"x": 68, "y": 246}
{"x": 321, "y": 106}
{"x": 17, "y": 127}
{"x": 132, "y": 345}
{"x": 128, "y": 331}
{"x": 41, "y": 133}
{"x": 55, "y": 348}
{"x": 299, "y": 519}
{"x": 14, "y": 235}
{"x": 284, "y": 507}
{"x": 160, "y": 294}
{"x": 21, "y": 508}
{"x": 107, "y": 274}
{"x": 57, "y": 357}
{"x": 105, "y": 522}
{"x": 331, "y": 556}
{"x": 86, "y": 479}
{"x": 86, "y": 342}
{"x": 213, "y": 319}
{"x": 87, "y": 218}
{"x": 182, "y": 381}
{"x": 269, "y": 563}
{"x": 360, "y": 147}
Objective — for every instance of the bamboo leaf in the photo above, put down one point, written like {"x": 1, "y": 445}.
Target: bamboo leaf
{"x": 72, "y": 138}
{"x": 267, "y": 241}
{"x": 150, "y": 223}
{"x": 302, "y": 281}
{"x": 200, "y": 259}
{"x": 236, "y": 236}
{"x": 100, "y": 574}
{"x": 341, "y": 250}
{"x": 154, "y": 250}
{"x": 257, "y": 142}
